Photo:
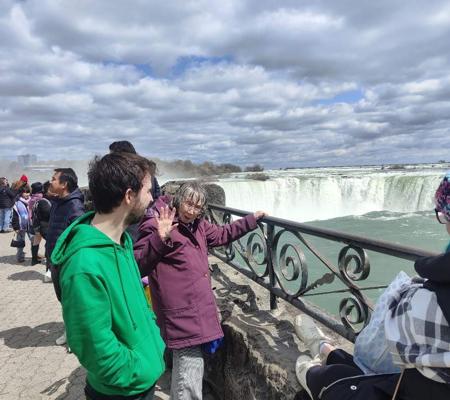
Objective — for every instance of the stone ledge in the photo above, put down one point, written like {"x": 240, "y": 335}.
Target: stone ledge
{"x": 258, "y": 358}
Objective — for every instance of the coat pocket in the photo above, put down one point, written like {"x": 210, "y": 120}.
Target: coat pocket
{"x": 182, "y": 323}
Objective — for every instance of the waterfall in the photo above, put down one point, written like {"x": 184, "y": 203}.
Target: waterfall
{"x": 307, "y": 195}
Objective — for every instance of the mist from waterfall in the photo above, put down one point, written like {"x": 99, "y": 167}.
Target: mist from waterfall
{"x": 326, "y": 193}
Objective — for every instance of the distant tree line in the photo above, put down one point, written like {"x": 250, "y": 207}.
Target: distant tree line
{"x": 206, "y": 168}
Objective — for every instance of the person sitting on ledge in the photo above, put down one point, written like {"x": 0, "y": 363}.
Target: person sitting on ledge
{"x": 173, "y": 249}
{"x": 417, "y": 335}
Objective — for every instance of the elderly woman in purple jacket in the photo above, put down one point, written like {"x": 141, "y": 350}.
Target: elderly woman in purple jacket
{"x": 173, "y": 250}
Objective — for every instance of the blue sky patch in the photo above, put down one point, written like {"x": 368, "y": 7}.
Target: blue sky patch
{"x": 351, "y": 96}
{"x": 186, "y": 62}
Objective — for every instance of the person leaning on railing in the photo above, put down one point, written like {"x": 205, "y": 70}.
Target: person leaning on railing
{"x": 172, "y": 248}
{"x": 416, "y": 332}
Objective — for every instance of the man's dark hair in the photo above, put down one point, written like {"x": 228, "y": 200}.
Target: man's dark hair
{"x": 45, "y": 187}
{"x": 68, "y": 175}
{"x": 112, "y": 175}
{"x": 36, "y": 187}
{"x": 122, "y": 146}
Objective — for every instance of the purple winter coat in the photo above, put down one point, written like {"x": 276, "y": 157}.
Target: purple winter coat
{"x": 178, "y": 271}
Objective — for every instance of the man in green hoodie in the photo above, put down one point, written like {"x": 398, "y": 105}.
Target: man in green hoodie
{"x": 109, "y": 325}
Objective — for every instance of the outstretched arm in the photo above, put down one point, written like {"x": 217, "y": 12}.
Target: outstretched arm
{"x": 219, "y": 235}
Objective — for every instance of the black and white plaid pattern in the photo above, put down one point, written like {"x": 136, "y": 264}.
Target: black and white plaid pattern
{"x": 418, "y": 334}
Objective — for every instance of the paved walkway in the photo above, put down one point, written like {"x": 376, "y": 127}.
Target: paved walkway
{"x": 32, "y": 366}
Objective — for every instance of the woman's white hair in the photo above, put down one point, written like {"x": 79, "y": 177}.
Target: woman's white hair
{"x": 192, "y": 190}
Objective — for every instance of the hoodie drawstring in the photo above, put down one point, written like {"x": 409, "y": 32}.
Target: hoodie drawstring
{"x": 123, "y": 290}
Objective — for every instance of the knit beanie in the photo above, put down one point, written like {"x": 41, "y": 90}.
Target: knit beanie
{"x": 24, "y": 178}
{"x": 36, "y": 187}
{"x": 442, "y": 197}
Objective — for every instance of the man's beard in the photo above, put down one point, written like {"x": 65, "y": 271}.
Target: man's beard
{"x": 134, "y": 216}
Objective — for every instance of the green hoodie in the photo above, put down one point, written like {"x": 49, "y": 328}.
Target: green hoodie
{"x": 109, "y": 325}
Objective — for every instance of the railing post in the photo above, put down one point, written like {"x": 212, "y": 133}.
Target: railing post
{"x": 272, "y": 279}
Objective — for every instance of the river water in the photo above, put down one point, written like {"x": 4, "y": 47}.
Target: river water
{"x": 391, "y": 205}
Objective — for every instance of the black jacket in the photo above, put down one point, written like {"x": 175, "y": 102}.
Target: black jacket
{"x": 413, "y": 386}
{"x": 437, "y": 271}
{"x": 7, "y": 197}
{"x": 63, "y": 212}
{"x": 41, "y": 216}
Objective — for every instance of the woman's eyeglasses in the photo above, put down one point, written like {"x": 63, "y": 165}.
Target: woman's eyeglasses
{"x": 440, "y": 217}
{"x": 192, "y": 206}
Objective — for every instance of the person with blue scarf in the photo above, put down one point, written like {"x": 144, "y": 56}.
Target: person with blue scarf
{"x": 21, "y": 221}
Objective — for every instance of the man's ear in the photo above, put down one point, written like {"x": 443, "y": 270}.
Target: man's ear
{"x": 129, "y": 196}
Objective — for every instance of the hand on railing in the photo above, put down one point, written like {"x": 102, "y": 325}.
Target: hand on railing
{"x": 260, "y": 214}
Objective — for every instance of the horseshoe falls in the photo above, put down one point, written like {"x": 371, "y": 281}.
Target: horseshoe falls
{"x": 396, "y": 206}
{"x": 326, "y": 193}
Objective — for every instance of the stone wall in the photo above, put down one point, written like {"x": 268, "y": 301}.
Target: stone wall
{"x": 258, "y": 358}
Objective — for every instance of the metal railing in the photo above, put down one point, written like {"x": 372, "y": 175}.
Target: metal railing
{"x": 273, "y": 257}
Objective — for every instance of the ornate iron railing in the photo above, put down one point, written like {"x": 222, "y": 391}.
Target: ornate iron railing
{"x": 273, "y": 256}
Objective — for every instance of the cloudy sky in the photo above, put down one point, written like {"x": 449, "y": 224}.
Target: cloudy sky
{"x": 281, "y": 83}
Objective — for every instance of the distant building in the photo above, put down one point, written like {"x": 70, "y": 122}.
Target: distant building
{"x": 26, "y": 160}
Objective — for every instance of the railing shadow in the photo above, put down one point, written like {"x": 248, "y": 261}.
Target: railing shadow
{"x": 282, "y": 340}
{"x": 26, "y": 276}
{"x": 74, "y": 388}
{"x": 26, "y": 336}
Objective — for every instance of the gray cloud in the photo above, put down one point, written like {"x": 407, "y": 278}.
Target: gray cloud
{"x": 305, "y": 83}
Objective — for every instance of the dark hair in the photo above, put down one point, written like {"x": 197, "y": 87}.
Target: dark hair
{"x": 25, "y": 189}
{"x": 68, "y": 175}
{"x": 36, "y": 187}
{"x": 153, "y": 167}
{"x": 122, "y": 146}
{"x": 112, "y": 175}
{"x": 45, "y": 187}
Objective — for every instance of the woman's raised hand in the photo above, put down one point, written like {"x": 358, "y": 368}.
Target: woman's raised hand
{"x": 164, "y": 222}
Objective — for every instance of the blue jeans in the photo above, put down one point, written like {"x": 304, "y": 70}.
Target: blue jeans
{"x": 5, "y": 218}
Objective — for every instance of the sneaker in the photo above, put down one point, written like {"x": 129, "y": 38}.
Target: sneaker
{"x": 47, "y": 277}
{"x": 302, "y": 366}
{"x": 309, "y": 333}
{"x": 61, "y": 340}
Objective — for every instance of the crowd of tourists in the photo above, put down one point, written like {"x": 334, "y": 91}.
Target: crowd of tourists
{"x": 99, "y": 261}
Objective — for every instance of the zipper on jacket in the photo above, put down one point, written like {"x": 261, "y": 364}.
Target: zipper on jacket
{"x": 325, "y": 388}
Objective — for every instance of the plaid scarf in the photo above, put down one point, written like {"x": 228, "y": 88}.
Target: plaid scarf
{"x": 418, "y": 334}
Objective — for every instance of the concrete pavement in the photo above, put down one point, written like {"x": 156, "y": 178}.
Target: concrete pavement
{"x": 32, "y": 366}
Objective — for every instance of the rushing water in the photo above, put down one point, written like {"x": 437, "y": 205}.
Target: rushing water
{"x": 391, "y": 205}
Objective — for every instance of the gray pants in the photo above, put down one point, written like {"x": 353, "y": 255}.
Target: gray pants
{"x": 187, "y": 374}
{"x": 21, "y": 235}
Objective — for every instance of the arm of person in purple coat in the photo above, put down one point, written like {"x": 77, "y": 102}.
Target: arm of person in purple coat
{"x": 219, "y": 235}
{"x": 153, "y": 240}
